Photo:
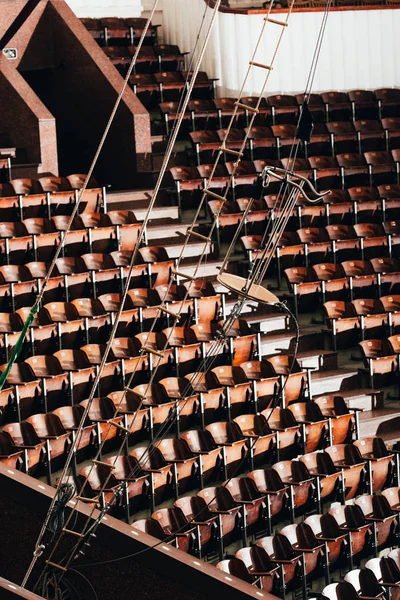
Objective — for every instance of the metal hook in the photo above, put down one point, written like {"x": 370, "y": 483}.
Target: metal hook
{"x": 287, "y": 176}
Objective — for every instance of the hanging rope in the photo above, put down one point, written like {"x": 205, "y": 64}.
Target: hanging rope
{"x": 204, "y": 195}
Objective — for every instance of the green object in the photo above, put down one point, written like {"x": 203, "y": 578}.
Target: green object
{"x": 18, "y": 345}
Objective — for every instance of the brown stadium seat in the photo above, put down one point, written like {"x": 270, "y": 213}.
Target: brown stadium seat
{"x": 280, "y": 550}
{"x": 380, "y": 461}
{"x": 295, "y": 475}
{"x": 9, "y": 453}
{"x": 186, "y": 466}
{"x": 326, "y": 529}
{"x": 347, "y": 458}
{"x": 376, "y": 509}
{"x": 256, "y": 560}
{"x": 351, "y": 521}
{"x": 198, "y": 514}
{"x": 237, "y": 568}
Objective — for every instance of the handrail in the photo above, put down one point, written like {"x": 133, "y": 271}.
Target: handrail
{"x": 264, "y": 11}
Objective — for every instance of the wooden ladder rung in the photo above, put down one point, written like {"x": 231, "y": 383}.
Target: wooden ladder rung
{"x": 153, "y": 351}
{"x": 101, "y": 462}
{"x": 198, "y": 235}
{"x": 246, "y": 107}
{"x": 182, "y": 275}
{"x": 214, "y": 195}
{"x": 282, "y": 23}
{"x": 229, "y": 151}
{"x": 73, "y": 532}
{"x": 167, "y": 311}
{"x": 121, "y": 427}
{"x": 261, "y": 65}
{"x": 52, "y": 564}
{"x": 83, "y": 499}
{"x": 127, "y": 389}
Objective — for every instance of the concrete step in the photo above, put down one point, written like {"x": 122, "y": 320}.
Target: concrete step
{"x": 382, "y": 422}
{"x": 138, "y": 202}
{"x": 328, "y": 382}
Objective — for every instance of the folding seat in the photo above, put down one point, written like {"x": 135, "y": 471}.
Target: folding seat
{"x": 303, "y": 540}
{"x": 315, "y": 104}
{"x": 303, "y": 283}
{"x": 320, "y": 143}
{"x": 158, "y": 470}
{"x": 261, "y": 440}
{"x": 326, "y": 171}
{"x": 284, "y": 108}
{"x": 103, "y": 271}
{"x": 48, "y": 427}
{"x": 110, "y": 377}
{"x": 339, "y": 591}
{"x": 198, "y": 514}
{"x": 364, "y": 104}
{"x": 135, "y": 483}
{"x": 337, "y": 105}
{"x": 373, "y": 240}
{"x": 96, "y": 320}
{"x": 270, "y": 484}
{"x": 368, "y": 207}
{"x": 102, "y": 413}
{"x": 380, "y": 461}
{"x": 54, "y": 381}
{"x": 348, "y": 460}
{"x": 70, "y": 417}
{"x": 154, "y": 529}
{"x": 382, "y": 168}
{"x": 371, "y": 135}
{"x": 355, "y": 170}
{"x": 362, "y": 279}
{"x": 338, "y": 207}
{"x": 22, "y": 290}
{"x": 256, "y": 560}
{"x": 392, "y": 495}
{"x": 221, "y": 503}
{"x": 81, "y": 373}
{"x": 296, "y": 476}
{"x": 326, "y": 529}
{"x": 344, "y": 241}
{"x": 391, "y": 125}
{"x": 101, "y": 485}
{"x": 374, "y": 322}
{"x": 252, "y": 502}
{"x": 70, "y": 327}
{"x": 10, "y": 456}
{"x": 186, "y": 179}
{"x": 238, "y": 569}
{"x": 210, "y": 456}
{"x": 351, "y": 521}
{"x": 129, "y": 404}
{"x": 341, "y": 418}
{"x": 378, "y": 361}
{"x": 391, "y": 194}
{"x": 28, "y": 391}
{"x": 233, "y": 443}
{"x": 179, "y": 389}
{"x": 237, "y": 388}
{"x": 203, "y": 114}
{"x": 376, "y": 510}
{"x": 146, "y": 87}
{"x": 314, "y": 425}
{"x": 171, "y": 83}
{"x": 389, "y": 102}
{"x": 262, "y": 142}
{"x": 283, "y": 422}
{"x": 280, "y": 550}
{"x": 293, "y": 380}
{"x": 327, "y": 479}
{"x": 162, "y": 410}
{"x": 386, "y": 572}
{"x": 264, "y": 383}
{"x": 227, "y": 108}
{"x": 343, "y": 137}
{"x": 26, "y": 440}
{"x": 317, "y": 247}
{"x": 284, "y": 134}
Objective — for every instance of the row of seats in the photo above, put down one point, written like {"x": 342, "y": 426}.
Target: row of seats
{"x": 283, "y": 108}
{"x": 165, "y": 57}
{"x": 120, "y": 31}
{"x": 334, "y": 138}
{"x": 153, "y": 88}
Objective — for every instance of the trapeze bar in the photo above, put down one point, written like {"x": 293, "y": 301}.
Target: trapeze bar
{"x": 253, "y": 292}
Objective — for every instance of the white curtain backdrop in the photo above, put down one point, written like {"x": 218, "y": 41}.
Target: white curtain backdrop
{"x": 361, "y": 49}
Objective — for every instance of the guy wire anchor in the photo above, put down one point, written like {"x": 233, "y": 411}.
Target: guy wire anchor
{"x": 245, "y": 287}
